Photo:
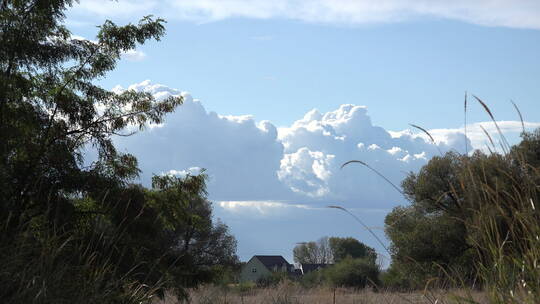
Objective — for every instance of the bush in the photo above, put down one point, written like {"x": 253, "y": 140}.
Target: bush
{"x": 350, "y": 272}
{"x": 482, "y": 206}
{"x": 313, "y": 279}
{"x": 274, "y": 279}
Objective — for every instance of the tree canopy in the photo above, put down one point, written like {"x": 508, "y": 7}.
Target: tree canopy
{"x": 80, "y": 232}
{"x": 313, "y": 252}
{"x": 332, "y": 250}
{"x": 462, "y": 207}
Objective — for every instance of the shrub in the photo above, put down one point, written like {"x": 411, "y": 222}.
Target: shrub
{"x": 351, "y": 272}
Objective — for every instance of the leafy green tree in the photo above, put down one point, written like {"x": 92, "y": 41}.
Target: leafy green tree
{"x": 351, "y": 272}
{"x": 352, "y": 248}
{"x": 429, "y": 236}
{"x": 82, "y": 233}
{"x": 50, "y": 108}
{"x": 334, "y": 249}
{"x": 200, "y": 249}
{"x": 426, "y": 245}
{"x": 459, "y": 206}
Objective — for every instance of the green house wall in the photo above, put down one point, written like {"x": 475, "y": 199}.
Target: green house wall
{"x": 247, "y": 273}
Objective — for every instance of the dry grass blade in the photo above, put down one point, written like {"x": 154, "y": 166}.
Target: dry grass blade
{"x": 489, "y": 137}
{"x": 504, "y": 142}
{"x": 486, "y": 108}
{"x": 423, "y": 130}
{"x": 378, "y": 173}
{"x": 353, "y": 161}
{"x": 428, "y": 134}
{"x": 361, "y": 223}
{"x": 465, "y": 123}
{"x": 520, "y": 116}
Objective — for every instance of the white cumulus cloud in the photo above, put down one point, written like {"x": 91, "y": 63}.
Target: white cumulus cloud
{"x": 477, "y": 137}
{"x": 254, "y": 161}
{"x": 134, "y": 55}
{"x": 242, "y": 156}
{"x": 306, "y": 172}
{"x": 318, "y": 144}
{"x": 183, "y": 173}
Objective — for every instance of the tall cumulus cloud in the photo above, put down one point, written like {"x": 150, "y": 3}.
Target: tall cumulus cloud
{"x": 253, "y": 161}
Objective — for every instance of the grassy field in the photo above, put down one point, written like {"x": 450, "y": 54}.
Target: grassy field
{"x": 293, "y": 294}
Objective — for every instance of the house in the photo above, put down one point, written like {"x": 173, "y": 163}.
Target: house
{"x": 307, "y": 268}
{"x": 260, "y": 266}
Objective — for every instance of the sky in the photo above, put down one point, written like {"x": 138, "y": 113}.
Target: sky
{"x": 278, "y": 94}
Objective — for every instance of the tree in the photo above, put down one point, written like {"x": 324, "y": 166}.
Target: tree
{"x": 355, "y": 263}
{"x": 352, "y": 248}
{"x": 425, "y": 246}
{"x": 429, "y": 236}
{"x": 329, "y": 250}
{"x": 199, "y": 249}
{"x": 313, "y": 252}
{"x": 351, "y": 272}
{"x": 463, "y": 210}
{"x": 50, "y": 109}
{"x": 78, "y": 233}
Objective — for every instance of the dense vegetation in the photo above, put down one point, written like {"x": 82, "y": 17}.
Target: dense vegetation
{"x": 332, "y": 250}
{"x": 472, "y": 223}
{"x": 75, "y": 231}
{"x": 351, "y": 262}
{"x": 78, "y": 232}
{"x": 472, "y": 220}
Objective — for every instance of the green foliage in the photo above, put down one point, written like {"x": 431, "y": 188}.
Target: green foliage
{"x": 504, "y": 227}
{"x": 76, "y": 233}
{"x": 429, "y": 236}
{"x": 343, "y": 248}
{"x": 274, "y": 279}
{"x": 199, "y": 250}
{"x": 395, "y": 279}
{"x": 426, "y": 245}
{"x": 472, "y": 219}
{"x": 351, "y": 272}
{"x": 355, "y": 262}
{"x": 334, "y": 249}
{"x": 313, "y": 279}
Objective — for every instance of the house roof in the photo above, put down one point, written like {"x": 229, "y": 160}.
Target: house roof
{"x": 270, "y": 261}
{"x": 312, "y": 267}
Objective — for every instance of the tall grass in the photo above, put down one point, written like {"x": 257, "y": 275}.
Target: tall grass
{"x": 47, "y": 266}
{"x": 504, "y": 226}
{"x": 501, "y": 193}
{"x": 504, "y": 229}
{"x": 291, "y": 293}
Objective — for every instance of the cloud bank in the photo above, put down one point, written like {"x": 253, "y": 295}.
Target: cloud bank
{"x": 266, "y": 180}
{"x": 515, "y": 13}
{"x": 257, "y": 163}
{"x": 241, "y": 155}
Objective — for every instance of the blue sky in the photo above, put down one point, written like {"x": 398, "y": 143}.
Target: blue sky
{"x": 274, "y": 171}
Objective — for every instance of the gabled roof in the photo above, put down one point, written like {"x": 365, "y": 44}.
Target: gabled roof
{"x": 270, "y": 261}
